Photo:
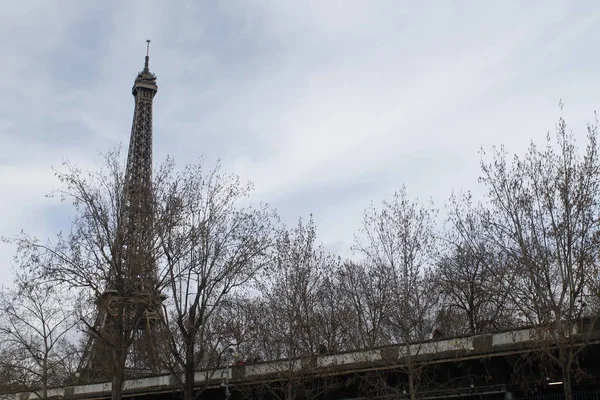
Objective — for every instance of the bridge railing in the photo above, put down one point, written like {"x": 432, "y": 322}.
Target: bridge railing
{"x": 439, "y": 350}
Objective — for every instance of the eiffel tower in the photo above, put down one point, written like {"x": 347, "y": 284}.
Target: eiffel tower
{"x": 133, "y": 285}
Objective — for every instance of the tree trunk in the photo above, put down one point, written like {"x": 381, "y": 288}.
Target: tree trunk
{"x": 118, "y": 372}
{"x": 117, "y": 386}
{"x": 411, "y": 370}
{"x": 567, "y": 389}
{"x": 45, "y": 378}
{"x": 188, "y": 391}
{"x": 411, "y": 386}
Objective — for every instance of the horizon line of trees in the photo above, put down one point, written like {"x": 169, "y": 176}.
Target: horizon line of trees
{"x": 233, "y": 275}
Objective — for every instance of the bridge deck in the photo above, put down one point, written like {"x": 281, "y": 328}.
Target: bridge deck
{"x": 434, "y": 351}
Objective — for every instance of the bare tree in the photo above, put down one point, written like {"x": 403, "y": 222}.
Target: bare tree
{"x": 94, "y": 258}
{"x": 212, "y": 248}
{"x": 544, "y": 213}
{"x": 13, "y": 378}
{"x": 37, "y": 320}
{"x": 240, "y": 320}
{"x": 303, "y": 316}
{"x": 471, "y": 275}
{"x": 333, "y": 315}
{"x": 293, "y": 289}
{"x": 368, "y": 292}
{"x": 400, "y": 241}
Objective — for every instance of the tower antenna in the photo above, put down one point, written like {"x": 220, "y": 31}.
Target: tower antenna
{"x": 147, "y": 55}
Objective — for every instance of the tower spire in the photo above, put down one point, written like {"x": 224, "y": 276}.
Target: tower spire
{"x": 146, "y": 69}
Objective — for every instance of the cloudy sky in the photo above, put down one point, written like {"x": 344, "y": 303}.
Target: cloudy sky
{"x": 325, "y": 105}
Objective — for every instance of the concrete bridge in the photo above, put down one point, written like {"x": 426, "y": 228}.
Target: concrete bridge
{"x": 478, "y": 365}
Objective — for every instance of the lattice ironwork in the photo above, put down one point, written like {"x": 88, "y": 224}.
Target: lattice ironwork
{"x": 133, "y": 286}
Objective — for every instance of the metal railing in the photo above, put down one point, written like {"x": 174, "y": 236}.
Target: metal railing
{"x": 577, "y": 395}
